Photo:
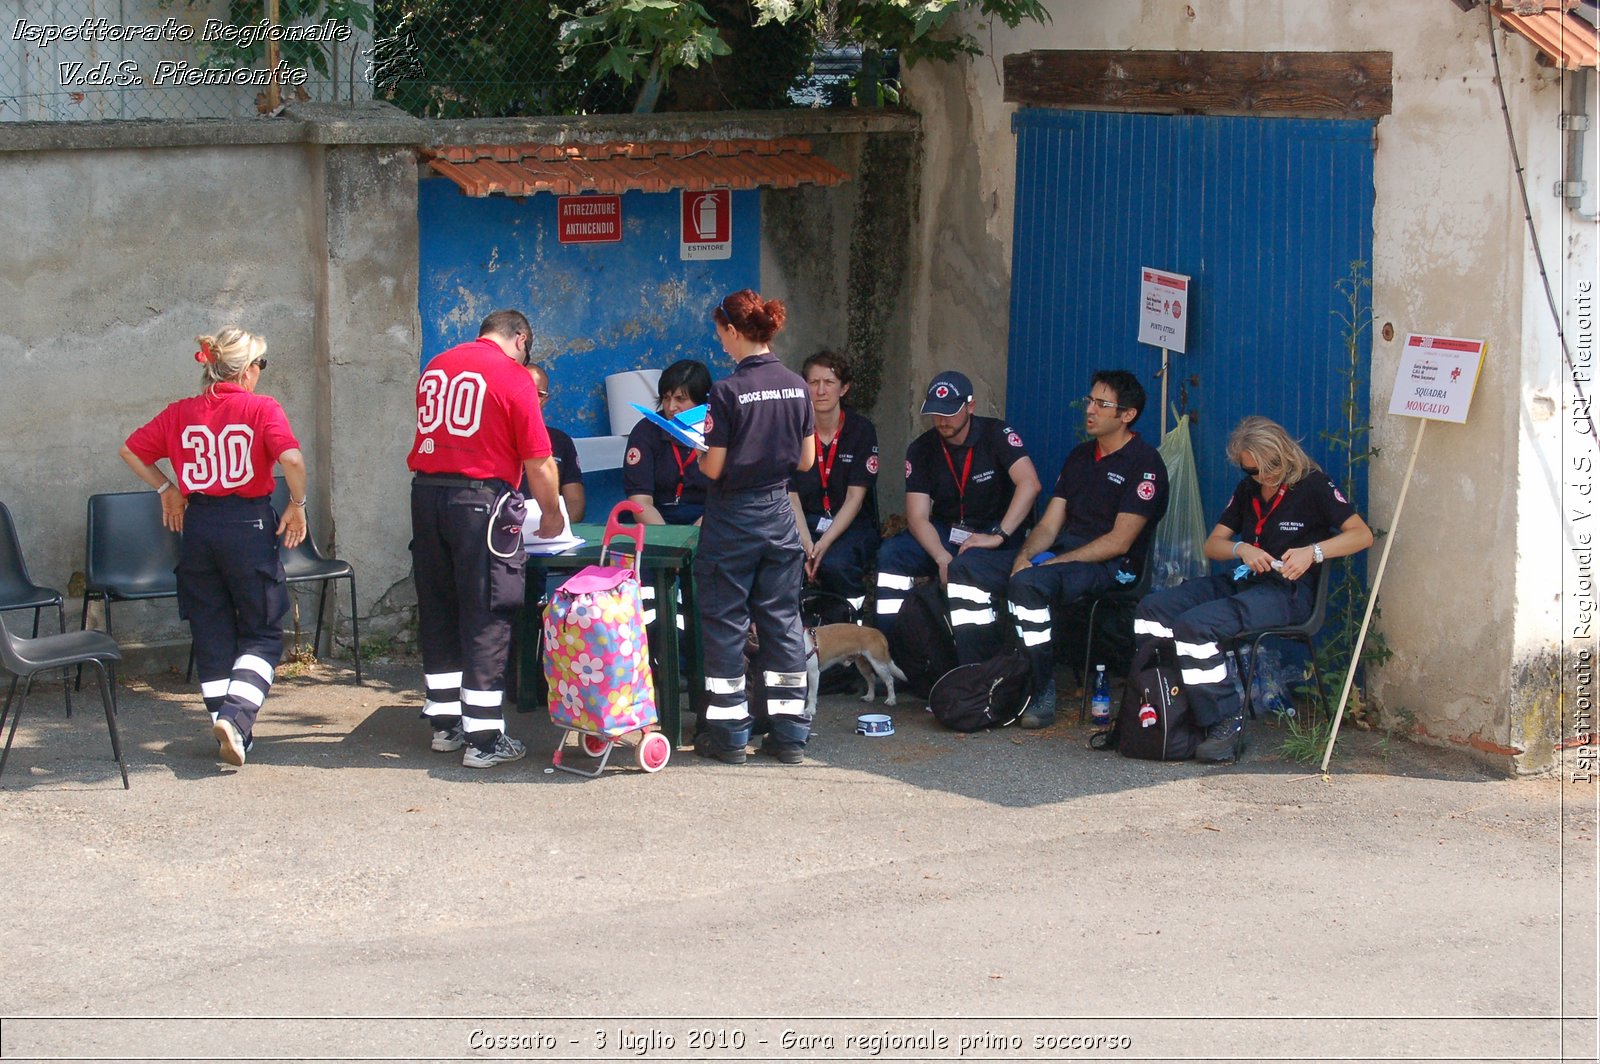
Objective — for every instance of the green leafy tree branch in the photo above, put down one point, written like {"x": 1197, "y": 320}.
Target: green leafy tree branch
{"x": 643, "y": 41}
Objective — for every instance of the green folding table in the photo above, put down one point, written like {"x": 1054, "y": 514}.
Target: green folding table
{"x": 668, "y": 566}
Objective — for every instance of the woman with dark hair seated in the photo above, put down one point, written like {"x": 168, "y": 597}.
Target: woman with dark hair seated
{"x": 835, "y": 501}
{"x": 1290, "y": 520}
{"x": 659, "y": 473}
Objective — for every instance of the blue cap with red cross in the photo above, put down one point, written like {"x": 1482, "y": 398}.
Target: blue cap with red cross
{"x": 949, "y": 392}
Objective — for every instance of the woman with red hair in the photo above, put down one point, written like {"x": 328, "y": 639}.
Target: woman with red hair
{"x": 759, "y": 431}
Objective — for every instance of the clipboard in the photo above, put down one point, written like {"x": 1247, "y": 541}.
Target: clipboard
{"x": 687, "y": 428}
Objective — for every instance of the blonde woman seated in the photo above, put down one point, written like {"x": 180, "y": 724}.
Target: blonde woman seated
{"x": 1284, "y": 520}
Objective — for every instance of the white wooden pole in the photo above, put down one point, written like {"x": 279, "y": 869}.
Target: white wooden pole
{"x": 1163, "y": 393}
{"x": 1372, "y": 597}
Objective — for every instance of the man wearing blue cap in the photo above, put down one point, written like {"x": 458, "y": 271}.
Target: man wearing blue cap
{"x": 970, "y": 489}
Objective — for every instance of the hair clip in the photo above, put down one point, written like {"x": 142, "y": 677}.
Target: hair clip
{"x": 204, "y": 355}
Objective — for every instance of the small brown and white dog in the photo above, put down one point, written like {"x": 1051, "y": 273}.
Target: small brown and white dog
{"x": 834, "y": 643}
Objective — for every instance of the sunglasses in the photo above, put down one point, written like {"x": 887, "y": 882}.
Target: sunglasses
{"x": 1103, "y": 404}
{"x": 260, "y": 363}
{"x": 1249, "y": 470}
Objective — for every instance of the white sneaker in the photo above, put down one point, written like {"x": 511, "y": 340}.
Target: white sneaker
{"x": 505, "y": 749}
{"x": 448, "y": 740}
{"x": 230, "y": 742}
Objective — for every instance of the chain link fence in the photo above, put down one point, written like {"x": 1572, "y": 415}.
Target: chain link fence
{"x": 481, "y": 59}
{"x": 77, "y": 60}
{"x": 80, "y": 60}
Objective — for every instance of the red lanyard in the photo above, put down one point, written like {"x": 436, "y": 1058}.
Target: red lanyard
{"x": 1261, "y": 518}
{"x": 683, "y": 467}
{"x": 825, "y": 466}
{"x": 961, "y": 482}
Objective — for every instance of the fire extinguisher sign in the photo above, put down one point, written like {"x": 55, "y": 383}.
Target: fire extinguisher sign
{"x": 707, "y": 224}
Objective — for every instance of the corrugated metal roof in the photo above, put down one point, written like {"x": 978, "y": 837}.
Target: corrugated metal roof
{"x": 651, "y": 166}
{"x": 1567, "y": 39}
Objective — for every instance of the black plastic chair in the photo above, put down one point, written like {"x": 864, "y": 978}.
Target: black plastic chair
{"x": 305, "y": 563}
{"x": 128, "y": 556}
{"x": 26, "y": 658}
{"x": 1117, "y": 595}
{"x": 1303, "y": 633}
{"x": 19, "y": 592}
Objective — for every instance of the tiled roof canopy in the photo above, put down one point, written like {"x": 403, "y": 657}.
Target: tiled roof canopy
{"x": 1566, "y": 38}
{"x": 650, "y": 166}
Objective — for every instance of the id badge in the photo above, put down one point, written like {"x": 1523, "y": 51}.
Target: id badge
{"x": 823, "y": 524}
{"x": 959, "y": 535}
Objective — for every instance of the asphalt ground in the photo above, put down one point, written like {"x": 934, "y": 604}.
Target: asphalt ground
{"x": 350, "y": 894}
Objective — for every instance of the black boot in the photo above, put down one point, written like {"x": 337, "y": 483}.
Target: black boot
{"x": 707, "y": 745}
{"x": 1223, "y": 740}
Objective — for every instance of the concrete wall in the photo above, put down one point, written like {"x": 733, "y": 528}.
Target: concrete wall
{"x": 366, "y": 253}
{"x": 841, "y": 258}
{"x": 113, "y": 262}
{"x": 1451, "y": 256}
{"x": 126, "y": 240}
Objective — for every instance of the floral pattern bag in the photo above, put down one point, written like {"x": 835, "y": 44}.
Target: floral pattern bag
{"x": 596, "y": 659}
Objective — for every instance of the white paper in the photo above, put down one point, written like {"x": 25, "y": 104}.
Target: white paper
{"x": 1163, "y": 309}
{"x": 531, "y": 541}
{"x": 1436, "y": 377}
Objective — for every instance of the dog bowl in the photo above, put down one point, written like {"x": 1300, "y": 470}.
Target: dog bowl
{"x": 874, "y": 724}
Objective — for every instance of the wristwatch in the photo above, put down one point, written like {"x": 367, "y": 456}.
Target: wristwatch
{"x": 1316, "y": 552}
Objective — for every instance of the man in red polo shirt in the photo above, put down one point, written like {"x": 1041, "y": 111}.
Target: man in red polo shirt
{"x": 479, "y": 430}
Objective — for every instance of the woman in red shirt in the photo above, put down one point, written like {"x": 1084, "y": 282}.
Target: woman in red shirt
{"x": 222, "y": 444}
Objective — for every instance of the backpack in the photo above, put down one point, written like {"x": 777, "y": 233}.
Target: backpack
{"x": 921, "y": 643}
{"x": 989, "y": 694}
{"x": 1153, "y": 723}
{"x": 818, "y": 608}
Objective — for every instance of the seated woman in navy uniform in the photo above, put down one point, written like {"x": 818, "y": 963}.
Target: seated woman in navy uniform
{"x": 659, "y": 473}
{"x": 1290, "y": 518}
{"x": 835, "y": 501}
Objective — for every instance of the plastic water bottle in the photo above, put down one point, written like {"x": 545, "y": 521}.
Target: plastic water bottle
{"x": 1100, "y": 704}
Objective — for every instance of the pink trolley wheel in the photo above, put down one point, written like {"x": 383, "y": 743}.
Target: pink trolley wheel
{"x": 654, "y": 752}
{"x": 594, "y": 745}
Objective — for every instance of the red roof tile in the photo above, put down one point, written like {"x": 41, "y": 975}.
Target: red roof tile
{"x": 1568, "y": 40}
{"x": 651, "y": 166}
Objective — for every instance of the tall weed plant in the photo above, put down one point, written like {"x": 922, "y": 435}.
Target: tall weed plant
{"x": 1351, "y": 452}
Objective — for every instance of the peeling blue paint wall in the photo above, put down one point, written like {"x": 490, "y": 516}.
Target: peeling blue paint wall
{"x": 596, "y": 309}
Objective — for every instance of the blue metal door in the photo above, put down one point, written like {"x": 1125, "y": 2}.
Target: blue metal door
{"x": 1265, "y": 215}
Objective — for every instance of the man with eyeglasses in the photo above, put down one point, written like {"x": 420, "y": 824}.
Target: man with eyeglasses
{"x": 563, "y": 451}
{"x": 970, "y": 488}
{"x": 1095, "y": 532}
